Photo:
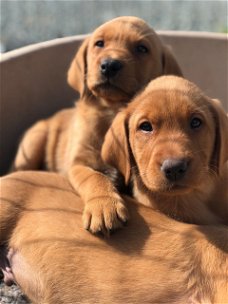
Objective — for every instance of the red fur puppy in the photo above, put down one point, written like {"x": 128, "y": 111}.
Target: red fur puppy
{"x": 111, "y": 66}
{"x": 172, "y": 141}
{"x": 154, "y": 260}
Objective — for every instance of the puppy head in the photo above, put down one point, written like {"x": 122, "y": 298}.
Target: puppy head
{"x": 118, "y": 59}
{"x": 172, "y": 136}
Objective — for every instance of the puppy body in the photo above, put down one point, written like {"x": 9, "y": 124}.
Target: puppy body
{"x": 174, "y": 143}
{"x": 154, "y": 260}
{"x": 63, "y": 139}
{"x": 110, "y": 67}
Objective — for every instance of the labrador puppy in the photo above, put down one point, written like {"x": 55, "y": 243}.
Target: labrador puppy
{"x": 154, "y": 260}
{"x": 110, "y": 67}
{"x": 172, "y": 143}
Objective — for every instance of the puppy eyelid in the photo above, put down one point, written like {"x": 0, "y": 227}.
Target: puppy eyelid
{"x": 145, "y": 127}
{"x": 196, "y": 122}
{"x": 99, "y": 43}
{"x": 141, "y": 48}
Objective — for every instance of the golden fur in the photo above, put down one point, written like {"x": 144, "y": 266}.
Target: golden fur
{"x": 170, "y": 105}
{"x": 70, "y": 141}
{"x": 154, "y": 260}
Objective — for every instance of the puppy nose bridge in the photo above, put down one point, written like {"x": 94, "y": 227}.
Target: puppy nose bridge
{"x": 174, "y": 169}
{"x": 175, "y": 146}
{"x": 117, "y": 53}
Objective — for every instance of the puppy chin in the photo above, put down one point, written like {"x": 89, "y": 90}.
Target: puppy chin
{"x": 171, "y": 190}
{"x": 110, "y": 93}
{"x": 175, "y": 190}
{"x": 163, "y": 187}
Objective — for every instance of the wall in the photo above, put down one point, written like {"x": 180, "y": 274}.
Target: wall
{"x": 26, "y": 22}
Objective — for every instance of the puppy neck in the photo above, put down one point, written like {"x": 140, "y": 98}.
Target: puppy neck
{"x": 90, "y": 100}
{"x": 190, "y": 208}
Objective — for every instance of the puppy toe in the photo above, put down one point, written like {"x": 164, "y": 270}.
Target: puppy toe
{"x": 86, "y": 219}
{"x": 122, "y": 212}
{"x": 111, "y": 220}
{"x": 97, "y": 224}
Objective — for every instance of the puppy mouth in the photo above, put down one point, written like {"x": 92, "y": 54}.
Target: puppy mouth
{"x": 173, "y": 189}
{"x": 106, "y": 87}
{"x": 177, "y": 187}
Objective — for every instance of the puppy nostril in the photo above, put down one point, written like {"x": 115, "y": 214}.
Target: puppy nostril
{"x": 174, "y": 169}
{"x": 116, "y": 65}
{"x": 104, "y": 66}
{"x": 110, "y": 67}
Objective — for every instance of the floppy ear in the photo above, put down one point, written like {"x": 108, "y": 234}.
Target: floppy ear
{"x": 170, "y": 65}
{"x": 220, "y": 153}
{"x": 115, "y": 149}
{"x": 78, "y": 69}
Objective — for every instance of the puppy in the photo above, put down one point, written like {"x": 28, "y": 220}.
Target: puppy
{"x": 110, "y": 67}
{"x": 173, "y": 141}
{"x": 154, "y": 260}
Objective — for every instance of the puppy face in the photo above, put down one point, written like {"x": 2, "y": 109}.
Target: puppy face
{"x": 172, "y": 138}
{"x": 122, "y": 57}
{"x": 176, "y": 137}
{"x": 119, "y": 58}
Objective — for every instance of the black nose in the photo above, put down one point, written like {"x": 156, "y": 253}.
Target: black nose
{"x": 174, "y": 169}
{"x": 110, "y": 67}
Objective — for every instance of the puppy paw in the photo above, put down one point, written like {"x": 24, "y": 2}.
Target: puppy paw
{"x": 105, "y": 215}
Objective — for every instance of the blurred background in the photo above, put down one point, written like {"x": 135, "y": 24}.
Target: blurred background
{"x": 31, "y": 21}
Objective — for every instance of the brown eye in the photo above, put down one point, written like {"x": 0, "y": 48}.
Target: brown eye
{"x": 99, "y": 43}
{"x": 146, "y": 127}
{"x": 141, "y": 49}
{"x": 195, "y": 123}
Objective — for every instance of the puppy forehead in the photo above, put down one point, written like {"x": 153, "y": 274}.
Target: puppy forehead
{"x": 168, "y": 104}
{"x": 124, "y": 27}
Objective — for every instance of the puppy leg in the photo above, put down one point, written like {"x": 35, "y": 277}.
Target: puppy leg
{"x": 31, "y": 151}
{"x": 10, "y": 211}
{"x": 12, "y": 204}
{"x": 104, "y": 208}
